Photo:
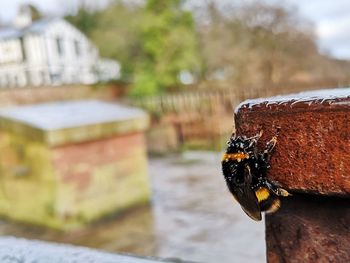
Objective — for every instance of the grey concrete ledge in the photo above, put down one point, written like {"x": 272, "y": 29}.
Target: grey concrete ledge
{"x": 59, "y": 123}
{"x": 16, "y": 250}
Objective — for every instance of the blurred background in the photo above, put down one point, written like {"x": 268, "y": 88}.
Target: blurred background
{"x": 101, "y": 98}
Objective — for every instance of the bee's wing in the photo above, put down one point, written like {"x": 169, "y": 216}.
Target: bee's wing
{"x": 247, "y": 198}
{"x": 249, "y": 203}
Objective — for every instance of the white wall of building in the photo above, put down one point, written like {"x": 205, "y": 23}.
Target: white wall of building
{"x": 10, "y": 50}
{"x": 50, "y": 53}
{"x": 70, "y": 54}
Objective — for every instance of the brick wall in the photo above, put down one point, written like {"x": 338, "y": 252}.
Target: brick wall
{"x": 93, "y": 178}
{"x": 20, "y": 96}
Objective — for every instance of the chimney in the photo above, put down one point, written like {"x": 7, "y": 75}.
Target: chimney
{"x": 24, "y": 17}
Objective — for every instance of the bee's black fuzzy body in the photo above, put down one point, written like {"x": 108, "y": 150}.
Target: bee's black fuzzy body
{"x": 245, "y": 169}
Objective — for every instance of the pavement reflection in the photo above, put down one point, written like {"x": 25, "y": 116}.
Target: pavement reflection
{"x": 192, "y": 217}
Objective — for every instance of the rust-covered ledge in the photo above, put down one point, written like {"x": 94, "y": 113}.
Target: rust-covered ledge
{"x": 311, "y": 160}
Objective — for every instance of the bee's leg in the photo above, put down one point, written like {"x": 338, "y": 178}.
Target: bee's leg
{"x": 253, "y": 142}
{"x": 276, "y": 190}
{"x": 255, "y": 139}
{"x": 270, "y": 145}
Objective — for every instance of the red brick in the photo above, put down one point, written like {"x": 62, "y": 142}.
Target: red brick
{"x": 80, "y": 179}
{"x": 75, "y": 163}
{"x": 32, "y": 95}
{"x": 112, "y": 148}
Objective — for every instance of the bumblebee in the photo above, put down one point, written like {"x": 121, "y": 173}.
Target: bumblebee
{"x": 245, "y": 169}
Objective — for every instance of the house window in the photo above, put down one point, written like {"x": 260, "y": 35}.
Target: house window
{"x": 7, "y": 80}
{"x": 43, "y": 77}
{"x": 24, "y": 55}
{"x": 59, "y": 45}
{"x": 77, "y": 48}
{"x": 56, "y": 78}
{"x": 15, "y": 81}
{"x": 28, "y": 77}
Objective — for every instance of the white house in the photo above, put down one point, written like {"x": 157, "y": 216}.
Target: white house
{"x": 49, "y": 52}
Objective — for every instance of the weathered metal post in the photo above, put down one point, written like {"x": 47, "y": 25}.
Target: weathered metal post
{"x": 311, "y": 160}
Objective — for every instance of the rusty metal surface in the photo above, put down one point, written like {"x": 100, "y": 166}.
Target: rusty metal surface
{"x": 311, "y": 160}
{"x": 309, "y": 229}
{"x": 313, "y": 149}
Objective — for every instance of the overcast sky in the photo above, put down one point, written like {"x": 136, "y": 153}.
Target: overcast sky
{"x": 331, "y": 18}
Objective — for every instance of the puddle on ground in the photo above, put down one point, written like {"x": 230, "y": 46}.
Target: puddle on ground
{"x": 191, "y": 217}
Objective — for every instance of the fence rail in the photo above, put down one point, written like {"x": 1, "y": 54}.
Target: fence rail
{"x": 207, "y": 114}
{"x": 189, "y": 102}
{"x": 200, "y": 118}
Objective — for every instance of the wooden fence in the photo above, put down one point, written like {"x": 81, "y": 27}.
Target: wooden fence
{"x": 189, "y": 102}
{"x": 206, "y": 116}
{"x": 201, "y": 118}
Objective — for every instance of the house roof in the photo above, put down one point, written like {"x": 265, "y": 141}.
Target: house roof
{"x": 38, "y": 26}
{"x": 9, "y": 32}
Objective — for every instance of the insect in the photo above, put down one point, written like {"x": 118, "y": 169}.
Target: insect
{"x": 245, "y": 169}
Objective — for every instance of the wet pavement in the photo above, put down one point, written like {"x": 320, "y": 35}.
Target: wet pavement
{"x": 192, "y": 217}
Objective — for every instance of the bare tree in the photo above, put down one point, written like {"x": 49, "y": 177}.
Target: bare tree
{"x": 256, "y": 43}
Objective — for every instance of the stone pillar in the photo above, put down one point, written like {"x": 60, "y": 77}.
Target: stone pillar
{"x": 312, "y": 161}
{"x": 65, "y": 164}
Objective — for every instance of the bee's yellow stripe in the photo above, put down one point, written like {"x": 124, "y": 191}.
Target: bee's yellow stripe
{"x": 262, "y": 194}
{"x": 274, "y": 206}
{"x": 235, "y": 156}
